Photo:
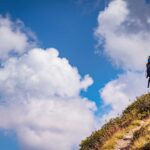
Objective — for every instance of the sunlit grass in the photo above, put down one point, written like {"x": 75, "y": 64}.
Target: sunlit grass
{"x": 141, "y": 137}
{"x": 107, "y": 136}
{"x": 136, "y": 123}
{"x": 111, "y": 143}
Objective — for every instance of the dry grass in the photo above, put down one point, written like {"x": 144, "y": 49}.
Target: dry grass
{"x": 107, "y": 136}
{"x": 111, "y": 143}
{"x": 141, "y": 137}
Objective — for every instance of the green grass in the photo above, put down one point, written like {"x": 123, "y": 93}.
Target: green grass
{"x": 138, "y": 110}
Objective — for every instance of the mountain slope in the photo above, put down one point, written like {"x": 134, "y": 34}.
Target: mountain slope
{"x": 130, "y": 131}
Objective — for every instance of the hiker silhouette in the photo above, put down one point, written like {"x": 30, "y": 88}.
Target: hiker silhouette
{"x": 148, "y": 71}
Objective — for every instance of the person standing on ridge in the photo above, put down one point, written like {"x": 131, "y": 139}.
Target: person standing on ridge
{"x": 148, "y": 71}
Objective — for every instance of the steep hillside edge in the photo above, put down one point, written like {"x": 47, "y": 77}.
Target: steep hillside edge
{"x": 134, "y": 122}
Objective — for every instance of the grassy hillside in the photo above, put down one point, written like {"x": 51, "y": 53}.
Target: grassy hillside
{"x": 130, "y": 131}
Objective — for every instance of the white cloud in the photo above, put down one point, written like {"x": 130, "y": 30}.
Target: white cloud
{"x": 41, "y": 98}
{"x": 53, "y": 123}
{"x": 13, "y": 39}
{"x": 148, "y": 20}
{"x": 121, "y": 92}
{"x": 128, "y": 49}
{"x": 40, "y": 95}
{"x": 42, "y": 72}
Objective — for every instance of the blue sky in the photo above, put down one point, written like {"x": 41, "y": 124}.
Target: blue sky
{"x": 69, "y": 26}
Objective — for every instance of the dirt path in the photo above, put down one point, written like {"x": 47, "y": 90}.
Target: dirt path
{"x": 123, "y": 143}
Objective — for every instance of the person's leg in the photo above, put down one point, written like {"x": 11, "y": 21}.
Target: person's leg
{"x": 148, "y": 81}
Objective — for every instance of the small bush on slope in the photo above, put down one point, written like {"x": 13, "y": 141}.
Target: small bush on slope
{"x": 140, "y": 109}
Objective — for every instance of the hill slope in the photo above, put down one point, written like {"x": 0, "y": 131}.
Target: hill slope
{"x": 130, "y": 131}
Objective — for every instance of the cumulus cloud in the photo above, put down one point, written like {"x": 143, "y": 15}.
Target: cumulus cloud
{"x": 126, "y": 42}
{"x": 121, "y": 92}
{"x": 136, "y": 7}
{"x": 39, "y": 69}
{"x": 128, "y": 50}
{"x": 13, "y": 39}
{"x": 40, "y": 96}
{"x": 49, "y": 123}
